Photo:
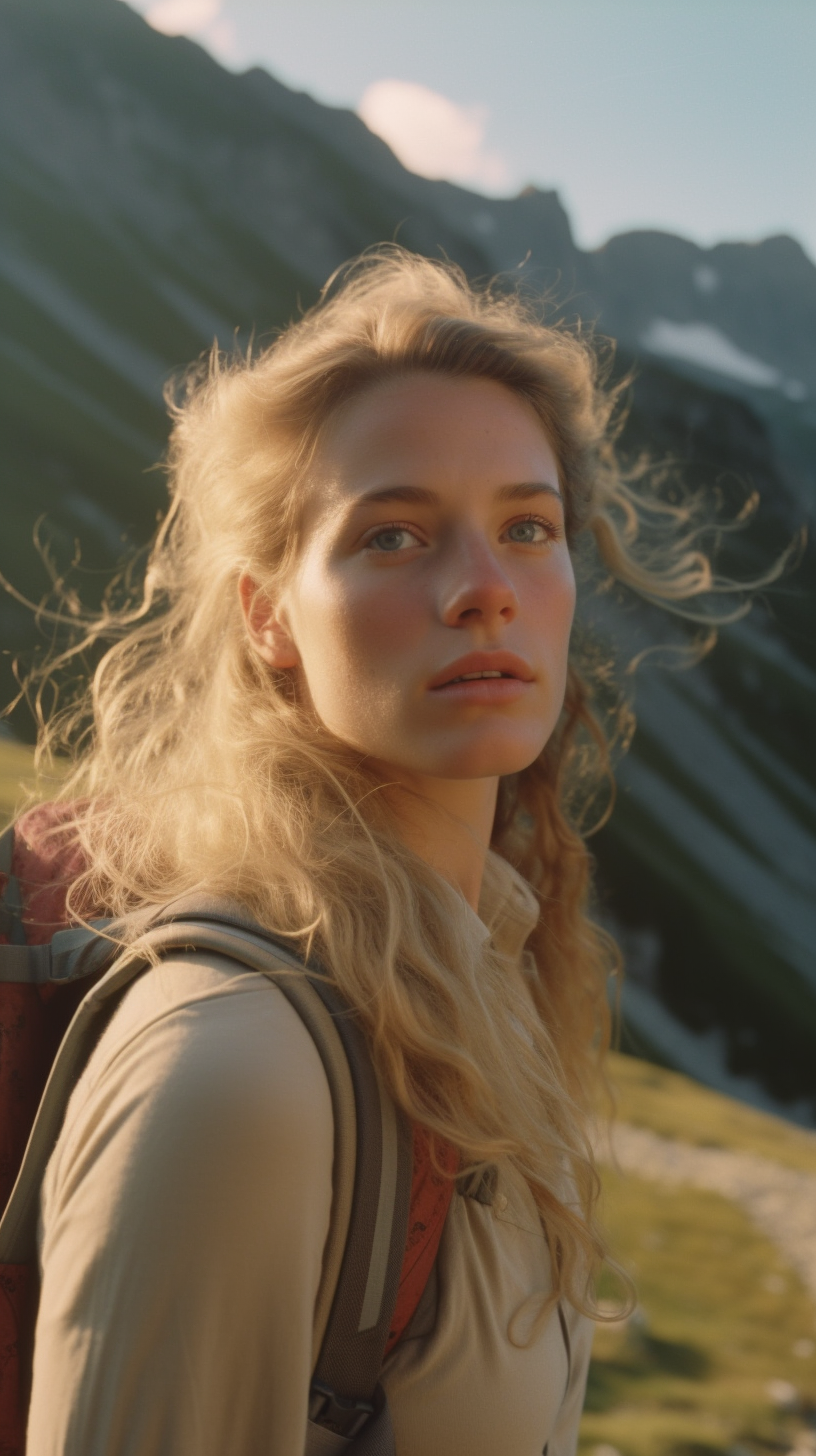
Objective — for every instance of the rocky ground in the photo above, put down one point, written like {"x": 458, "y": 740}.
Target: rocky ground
{"x": 780, "y": 1201}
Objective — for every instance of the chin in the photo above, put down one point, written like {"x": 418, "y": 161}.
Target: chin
{"x": 486, "y": 761}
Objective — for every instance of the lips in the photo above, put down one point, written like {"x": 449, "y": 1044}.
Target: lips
{"x": 482, "y": 667}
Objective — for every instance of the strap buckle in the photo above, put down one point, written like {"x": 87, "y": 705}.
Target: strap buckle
{"x": 334, "y": 1413}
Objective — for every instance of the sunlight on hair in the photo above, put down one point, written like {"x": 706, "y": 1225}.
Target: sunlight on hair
{"x": 194, "y": 768}
{"x": 431, "y": 135}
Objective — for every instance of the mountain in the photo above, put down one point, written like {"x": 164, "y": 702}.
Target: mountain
{"x": 154, "y": 200}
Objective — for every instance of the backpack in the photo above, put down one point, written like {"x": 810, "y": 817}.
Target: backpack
{"x": 388, "y": 1204}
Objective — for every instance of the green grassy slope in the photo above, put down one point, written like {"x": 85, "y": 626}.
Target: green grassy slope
{"x": 16, "y": 777}
{"x": 675, "y": 1107}
{"x": 722, "y": 1328}
{"x": 720, "y": 1356}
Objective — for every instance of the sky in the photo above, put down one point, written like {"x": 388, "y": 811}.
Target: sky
{"x": 697, "y": 117}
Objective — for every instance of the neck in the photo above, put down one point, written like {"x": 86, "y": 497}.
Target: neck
{"x": 448, "y": 823}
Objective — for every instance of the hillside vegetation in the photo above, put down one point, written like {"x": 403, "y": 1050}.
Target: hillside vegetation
{"x": 720, "y": 1354}
{"x": 16, "y": 777}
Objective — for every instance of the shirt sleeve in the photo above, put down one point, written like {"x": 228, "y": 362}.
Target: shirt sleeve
{"x": 184, "y": 1215}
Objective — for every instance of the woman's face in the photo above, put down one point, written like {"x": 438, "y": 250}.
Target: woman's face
{"x": 429, "y": 615}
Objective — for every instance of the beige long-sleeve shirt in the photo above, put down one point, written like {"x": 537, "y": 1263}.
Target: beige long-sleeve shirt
{"x": 184, "y": 1215}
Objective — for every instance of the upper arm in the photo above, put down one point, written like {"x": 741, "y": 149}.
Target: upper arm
{"x": 185, "y": 1213}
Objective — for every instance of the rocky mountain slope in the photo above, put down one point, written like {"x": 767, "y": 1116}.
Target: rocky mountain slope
{"x": 153, "y": 200}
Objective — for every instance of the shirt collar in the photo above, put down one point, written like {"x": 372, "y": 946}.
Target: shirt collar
{"x": 508, "y": 908}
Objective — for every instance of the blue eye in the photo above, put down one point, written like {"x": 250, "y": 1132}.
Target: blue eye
{"x": 392, "y": 538}
{"x": 527, "y": 533}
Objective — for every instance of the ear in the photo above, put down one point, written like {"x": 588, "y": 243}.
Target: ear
{"x": 267, "y": 628}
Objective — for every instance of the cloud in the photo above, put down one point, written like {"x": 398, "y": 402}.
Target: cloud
{"x": 182, "y": 17}
{"x": 201, "y": 18}
{"x": 222, "y": 42}
{"x": 431, "y": 135}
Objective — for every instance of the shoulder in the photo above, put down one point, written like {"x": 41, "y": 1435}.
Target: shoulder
{"x": 201, "y": 1053}
{"x": 203, "y": 1019}
{"x": 184, "y": 1224}
{"x": 209, "y": 1006}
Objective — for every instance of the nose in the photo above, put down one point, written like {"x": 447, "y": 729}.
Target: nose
{"x": 478, "y": 592}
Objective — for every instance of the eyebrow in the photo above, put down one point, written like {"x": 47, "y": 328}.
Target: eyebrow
{"x": 421, "y": 495}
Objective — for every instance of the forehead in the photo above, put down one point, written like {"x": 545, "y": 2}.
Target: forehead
{"x": 434, "y": 431}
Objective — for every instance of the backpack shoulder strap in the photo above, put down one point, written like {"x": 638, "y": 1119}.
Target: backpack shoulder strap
{"x": 372, "y": 1163}
{"x": 6, "y": 850}
{"x": 11, "y": 925}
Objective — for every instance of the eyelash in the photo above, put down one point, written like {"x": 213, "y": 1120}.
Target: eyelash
{"x": 389, "y": 526}
{"x": 554, "y": 532}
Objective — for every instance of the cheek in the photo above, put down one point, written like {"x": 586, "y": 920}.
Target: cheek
{"x": 352, "y": 629}
{"x": 554, "y": 609}
{"x": 381, "y": 621}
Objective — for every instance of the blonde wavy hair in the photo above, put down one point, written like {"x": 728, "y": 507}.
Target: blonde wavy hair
{"x": 194, "y": 768}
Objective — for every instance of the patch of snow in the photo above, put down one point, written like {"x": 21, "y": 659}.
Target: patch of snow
{"x": 709, "y": 348}
{"x": 702, "y": 344}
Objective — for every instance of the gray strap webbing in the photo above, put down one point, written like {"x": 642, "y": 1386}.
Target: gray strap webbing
{"x": 31, "y": 963}
{"x": 369, "y": 1216}
{"x": 71, "y": 955}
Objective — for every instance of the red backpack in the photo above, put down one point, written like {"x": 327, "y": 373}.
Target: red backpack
{"x": 58, "y": 987}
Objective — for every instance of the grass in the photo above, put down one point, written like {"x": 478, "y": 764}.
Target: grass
{"x": 724, "y": 1329}
{"x": 676, "y": 1107}
{"x": 18, "y": 780}
{"x": 720, "y": 1319}
{"x": 16, "y": 777}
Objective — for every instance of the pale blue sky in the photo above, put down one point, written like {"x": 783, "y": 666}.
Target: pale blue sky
{"x": 696, "y": 116}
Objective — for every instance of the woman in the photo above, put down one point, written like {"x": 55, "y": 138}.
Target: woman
{"x": 346, "y": 701}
